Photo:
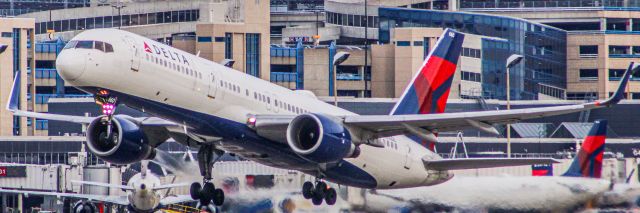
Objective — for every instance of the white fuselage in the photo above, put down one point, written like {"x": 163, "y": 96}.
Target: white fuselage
{"x": 497, "y": 193}
{"x": 143, "y": 198}
{"x": 156, "y": 72}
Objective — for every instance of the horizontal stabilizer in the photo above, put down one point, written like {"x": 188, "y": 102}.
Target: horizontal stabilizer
{"x": 123, "y": 187}
{"x": 173, "y": 185}
{"x": 480, "y": 163}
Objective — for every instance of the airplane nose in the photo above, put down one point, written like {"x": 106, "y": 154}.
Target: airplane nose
{"x": 70, "y": 65}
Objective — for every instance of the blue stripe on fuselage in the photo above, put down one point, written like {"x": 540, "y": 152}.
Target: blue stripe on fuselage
{"x": 240, "y": 135}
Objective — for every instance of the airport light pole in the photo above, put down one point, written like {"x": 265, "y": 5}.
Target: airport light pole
{"x": 119, "y": 5}
{"x": 337, "y": 60}
{"x": 512, "y": 61}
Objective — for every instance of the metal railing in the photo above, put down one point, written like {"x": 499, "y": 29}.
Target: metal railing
{"x": 544, "y": 4}
{"x": 44, "y": 98}
{"x": 348, "y": 77}
{"x": 284, "y": 76}
{"x": 283, "y": 52}
{"x": 48, "y": 47}
{"x": 46, "y": 73}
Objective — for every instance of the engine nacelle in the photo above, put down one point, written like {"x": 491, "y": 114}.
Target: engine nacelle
{"x": 320, "y": 138}
{"x": 128, "y": 144}
{"x": 84, "y": 207}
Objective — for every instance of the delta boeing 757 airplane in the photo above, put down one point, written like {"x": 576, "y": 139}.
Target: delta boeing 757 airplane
{"x": 216, "y": 109}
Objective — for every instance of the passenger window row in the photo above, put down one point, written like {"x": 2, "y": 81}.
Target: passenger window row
{"x": 168, "y": 64}
{"x": 390, "y": 143}
{"x": 98, "y": 45}
{"x": 230, "y": 86}
{"x": 263, "y": 98}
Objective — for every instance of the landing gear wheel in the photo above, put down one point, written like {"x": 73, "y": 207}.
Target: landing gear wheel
{"x": 320, "y": 190}
{"x": 218, "y": 197}
{"x": 330, "y": 197}
{"x": 207, "y": 193}
{"x": 195, "y": 190}
{"x": 316, "y": 200}
{"x": 307, "y": 190}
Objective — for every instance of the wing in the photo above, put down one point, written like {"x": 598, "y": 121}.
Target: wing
{"x": 481, "y": 163}
{"x": 173, "y": 185}
{"x": 173, "y": 199}
{"x": 123, "y": 187}
{"x": 119, "y": 200}
{"x": 157, "y": 129}
{"x": 376, "y": 126}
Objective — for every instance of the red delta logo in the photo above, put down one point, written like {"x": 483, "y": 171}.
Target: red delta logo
{"x": 147, "y": 48}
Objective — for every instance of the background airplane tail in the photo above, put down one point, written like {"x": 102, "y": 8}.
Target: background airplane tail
{"x": 588, "y": 161}
{"x": 429, "y": 89}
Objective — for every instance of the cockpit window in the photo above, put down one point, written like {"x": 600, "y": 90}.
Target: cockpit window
{"x": 98, "y": 45}
{"x": 108, "y": 48}
{"x": 70, "y": 45}
{"x": 85, "y": 45}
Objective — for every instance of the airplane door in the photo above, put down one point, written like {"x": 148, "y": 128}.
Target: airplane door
{"x": 407, "y": 160}
{"x": 269, "y": 101}
{"x": 135, "y": 61}
{"x": 135, "y": 56}
{"x": 213, "y": 86}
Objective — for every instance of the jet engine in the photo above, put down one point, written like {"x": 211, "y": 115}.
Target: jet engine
{"x": 122, "y": 143}
{"x": 320, "y": 138}
{"x": 84, "y": 207}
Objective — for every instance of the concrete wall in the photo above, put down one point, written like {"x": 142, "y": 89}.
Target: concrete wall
{"x": 6, "y": 71}
{"x": 252, "y": 17}
{"x": 602, "y": 62}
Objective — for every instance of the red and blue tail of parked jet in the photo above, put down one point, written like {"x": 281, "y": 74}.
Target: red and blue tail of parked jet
{"x": 429, "y": 89}
{"x": 588, "y": 161}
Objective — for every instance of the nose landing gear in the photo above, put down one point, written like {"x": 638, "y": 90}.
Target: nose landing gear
{"x": 207, "y": 193}
{"x": 108, "y": 104}
{"x": 318, "y": 193}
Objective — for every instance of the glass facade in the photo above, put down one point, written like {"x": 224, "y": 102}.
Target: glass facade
{"x": 465, "y": 4}
{"x": 117, "y": 21}
{"x": 543, "y": 47}
{"x": 253, "y": 54}
{"x": 17, "y": 7}
{"x": 351, "y": 20}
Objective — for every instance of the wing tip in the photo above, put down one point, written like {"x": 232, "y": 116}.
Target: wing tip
{"x": 14, "y": 95}
{"x": 619, "y": 94}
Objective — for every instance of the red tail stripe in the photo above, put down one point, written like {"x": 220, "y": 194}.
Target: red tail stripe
{"x": 591, "y": 143}
{"x": 434, "y": 74}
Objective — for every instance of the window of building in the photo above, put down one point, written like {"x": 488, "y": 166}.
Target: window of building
{"x": 253, "y": 54}
{"x": 418, "y": 43}
{"x": 470, "y": 52}
{"x": 228, "y": 45}
{"x": 471, "y": 76}
{"x": 403, "y": 43}
{"x": 7, "y": 34}
{"x": 588, "y": 74}
{"x": 204, "y": 39}
{"x": 618, "y": 50}
{"x": 588, "y": 51}
{"x": 616, "y": 74}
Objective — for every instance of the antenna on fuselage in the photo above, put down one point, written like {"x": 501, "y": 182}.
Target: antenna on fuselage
{"x": 198, "y": 54}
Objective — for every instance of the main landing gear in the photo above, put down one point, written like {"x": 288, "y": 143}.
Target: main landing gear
{"x": 207, "y": 193}
{"x": 321, "y": 191}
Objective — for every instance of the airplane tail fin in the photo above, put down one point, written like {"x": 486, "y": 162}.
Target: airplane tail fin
{"x": 429, "y": 89}
{"x": 588, "y": 161}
